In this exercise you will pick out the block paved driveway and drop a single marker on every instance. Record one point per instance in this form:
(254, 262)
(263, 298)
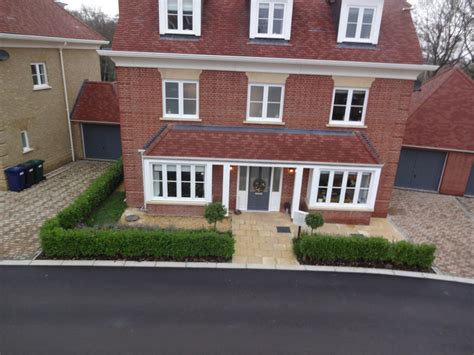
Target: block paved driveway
(446, 221)
(22, 214)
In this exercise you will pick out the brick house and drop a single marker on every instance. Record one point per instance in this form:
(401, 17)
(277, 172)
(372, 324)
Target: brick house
(264, 105)
(45, 55)
(438, 148)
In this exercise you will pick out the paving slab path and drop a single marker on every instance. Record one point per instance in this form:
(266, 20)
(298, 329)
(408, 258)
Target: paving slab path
(446, 221)
(23, 213)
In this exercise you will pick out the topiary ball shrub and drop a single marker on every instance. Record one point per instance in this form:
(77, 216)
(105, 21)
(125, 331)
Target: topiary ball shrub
(215, 212)
(314, 221)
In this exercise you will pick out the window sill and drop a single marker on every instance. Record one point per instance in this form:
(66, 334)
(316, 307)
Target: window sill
(41, 87)
(177, 202)
(27, 150)
(180, 119)
(341, 208)
(279, 123)
(346, 125)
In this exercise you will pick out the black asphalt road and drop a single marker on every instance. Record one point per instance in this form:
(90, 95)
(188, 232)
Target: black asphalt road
(188, 311)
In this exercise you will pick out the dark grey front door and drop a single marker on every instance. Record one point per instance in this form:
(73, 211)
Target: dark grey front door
(470, 184)
(102, 141)
(420, 169)
(259, 188)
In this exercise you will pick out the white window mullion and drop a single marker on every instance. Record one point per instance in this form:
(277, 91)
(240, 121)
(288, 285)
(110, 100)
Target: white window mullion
(270, 18)
(330, 184)
(357, 187)
(181, 98)
(165, 180)
(348, 105)
(193, 181)
(180, 15)
(265, 101)
(315, 191)
(343, 187)
(178, 181)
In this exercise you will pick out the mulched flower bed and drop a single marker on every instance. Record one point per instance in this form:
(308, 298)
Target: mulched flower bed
(365, 265)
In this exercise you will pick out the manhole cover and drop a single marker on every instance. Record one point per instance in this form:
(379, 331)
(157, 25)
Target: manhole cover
(283, 230)
(132, 218)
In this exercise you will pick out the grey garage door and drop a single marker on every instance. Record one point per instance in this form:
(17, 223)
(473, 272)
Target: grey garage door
(102, 141)
(470, 184)
(420, 169)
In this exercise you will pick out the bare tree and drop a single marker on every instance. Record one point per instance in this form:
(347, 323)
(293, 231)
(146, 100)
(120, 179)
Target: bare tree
(105, 25)
(445, 28)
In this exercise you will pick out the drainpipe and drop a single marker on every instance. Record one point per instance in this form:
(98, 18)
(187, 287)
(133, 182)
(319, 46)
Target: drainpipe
(67, 101)
(142, 152)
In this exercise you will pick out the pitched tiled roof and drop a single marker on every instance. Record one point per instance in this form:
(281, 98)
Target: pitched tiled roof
(442, 113)
(268, 144)
(97, 102)
(42, 18)
(225, 31)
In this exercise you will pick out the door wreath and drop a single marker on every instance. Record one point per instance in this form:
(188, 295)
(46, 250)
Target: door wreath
(259, 185)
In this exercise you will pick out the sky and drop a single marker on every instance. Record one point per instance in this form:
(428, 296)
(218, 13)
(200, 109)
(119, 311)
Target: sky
(110, 7)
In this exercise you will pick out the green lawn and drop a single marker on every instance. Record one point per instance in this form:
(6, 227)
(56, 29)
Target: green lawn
(109, 212)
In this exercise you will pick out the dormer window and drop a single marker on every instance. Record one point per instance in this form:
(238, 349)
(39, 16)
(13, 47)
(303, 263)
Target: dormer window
(360, 21)
(180, 17)
(271, 19)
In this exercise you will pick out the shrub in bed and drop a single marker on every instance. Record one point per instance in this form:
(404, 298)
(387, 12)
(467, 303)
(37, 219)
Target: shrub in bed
(135, 243)
(326, 249)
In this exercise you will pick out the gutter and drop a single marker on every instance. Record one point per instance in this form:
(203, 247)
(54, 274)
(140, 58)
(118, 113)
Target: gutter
(62, 40)
(68, 113)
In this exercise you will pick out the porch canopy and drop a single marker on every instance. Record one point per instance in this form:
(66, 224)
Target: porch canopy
(261, 144)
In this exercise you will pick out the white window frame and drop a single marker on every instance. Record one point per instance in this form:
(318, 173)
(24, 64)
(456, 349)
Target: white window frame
(44, 85)
(287, 19)
(163, 12)
(26, 148)
(346, 121)
(148, 182)
(376, 5)
(181, 114)
(314, 186)
(264, 118)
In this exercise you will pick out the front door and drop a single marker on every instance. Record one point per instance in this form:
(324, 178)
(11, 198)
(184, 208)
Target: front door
(259, 188)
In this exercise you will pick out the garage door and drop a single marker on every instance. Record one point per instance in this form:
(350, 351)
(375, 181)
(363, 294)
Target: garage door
(420, 169)
(102, 141)
(470, 184)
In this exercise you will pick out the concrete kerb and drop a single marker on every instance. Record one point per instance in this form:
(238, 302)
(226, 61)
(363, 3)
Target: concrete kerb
(197, 265)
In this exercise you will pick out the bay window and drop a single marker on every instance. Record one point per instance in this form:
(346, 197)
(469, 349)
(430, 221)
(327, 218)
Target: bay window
(342, 188)
(265, 103)
(178, 182)
(180, 99)
(349, 106)
(180, 17)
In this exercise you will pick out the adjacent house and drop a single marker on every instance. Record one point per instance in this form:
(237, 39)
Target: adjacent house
(438, 148)
(264, 105)
(45, 55)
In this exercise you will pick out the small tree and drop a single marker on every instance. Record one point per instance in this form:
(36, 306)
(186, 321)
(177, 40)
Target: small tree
(314, 221)
(215, 212)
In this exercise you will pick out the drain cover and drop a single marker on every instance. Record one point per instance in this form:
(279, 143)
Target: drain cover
(283, 229)
(132, 218)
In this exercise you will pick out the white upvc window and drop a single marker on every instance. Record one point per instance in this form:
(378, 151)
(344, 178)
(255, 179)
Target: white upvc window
(180, 99)
(271, 19)
(265, 103)
(349, 106)
(180, 17)
(344, 188)
(360, 21)
(178, 182)
(40, 77)
(25, 142)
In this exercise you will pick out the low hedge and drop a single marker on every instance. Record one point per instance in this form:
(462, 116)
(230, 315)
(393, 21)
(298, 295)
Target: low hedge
(92, 198)
(327, 249)
(135, 243)
(61, 239)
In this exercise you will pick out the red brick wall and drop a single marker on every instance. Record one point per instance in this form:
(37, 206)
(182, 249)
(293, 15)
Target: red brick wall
(456, 173)
(223, 98)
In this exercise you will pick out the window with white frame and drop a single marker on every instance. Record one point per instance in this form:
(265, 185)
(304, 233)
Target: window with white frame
(265, 102)
(360, 22)
(40, 78)
(25, 143)
(343, 188)
(180, 17)
(179, 181)
(180, 99)
(349, 106)
(271, 19)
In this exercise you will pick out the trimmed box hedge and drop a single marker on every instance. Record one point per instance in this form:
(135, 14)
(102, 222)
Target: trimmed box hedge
(61, 239)
(327, 249)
